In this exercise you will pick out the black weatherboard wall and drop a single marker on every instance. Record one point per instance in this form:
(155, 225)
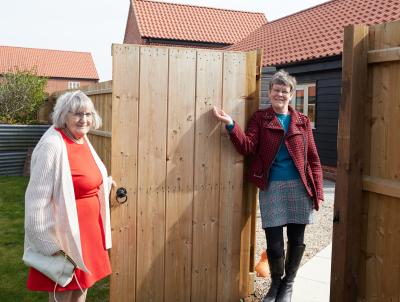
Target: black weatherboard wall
(327, 75)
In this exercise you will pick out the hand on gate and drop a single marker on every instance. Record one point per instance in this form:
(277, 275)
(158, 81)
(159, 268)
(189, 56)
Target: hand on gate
(222, 116)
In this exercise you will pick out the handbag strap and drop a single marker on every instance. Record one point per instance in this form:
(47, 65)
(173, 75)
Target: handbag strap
(66, 258)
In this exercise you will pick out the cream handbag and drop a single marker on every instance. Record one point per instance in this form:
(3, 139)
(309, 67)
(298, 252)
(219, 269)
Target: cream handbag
(59, 268)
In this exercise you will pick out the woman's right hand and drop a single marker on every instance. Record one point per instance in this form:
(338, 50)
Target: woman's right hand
(222, 116)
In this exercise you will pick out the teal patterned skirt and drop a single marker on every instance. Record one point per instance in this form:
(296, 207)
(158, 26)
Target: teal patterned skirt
(285, 202)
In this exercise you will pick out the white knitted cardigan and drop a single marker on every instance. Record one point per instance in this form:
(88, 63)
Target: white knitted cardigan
(51, 219)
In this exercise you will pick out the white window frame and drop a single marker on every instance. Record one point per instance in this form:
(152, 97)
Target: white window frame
(74, 85)
(303, 87)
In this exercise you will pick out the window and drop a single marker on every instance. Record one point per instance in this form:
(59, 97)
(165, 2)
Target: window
(304, 100)
(73, 85)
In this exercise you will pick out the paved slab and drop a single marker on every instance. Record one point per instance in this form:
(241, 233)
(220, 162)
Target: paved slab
(313, 278)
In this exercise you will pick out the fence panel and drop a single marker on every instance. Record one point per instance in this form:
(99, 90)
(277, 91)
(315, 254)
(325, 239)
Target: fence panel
(382, 165)
(185, 180)
(366, 244)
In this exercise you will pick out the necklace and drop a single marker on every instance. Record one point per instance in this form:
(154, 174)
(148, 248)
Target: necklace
(71, 136)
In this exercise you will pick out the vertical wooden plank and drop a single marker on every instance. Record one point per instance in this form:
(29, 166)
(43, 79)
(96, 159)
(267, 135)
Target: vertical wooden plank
(107, 127)
(390, 265)
(231, 178)
(206, 179)
(246, 284)
(376, 239)
(124, 171)
(179, 194)
(391, 276)
(368, 206)
(369, 284)
(345, 280)
(393, 122)
(254, 205)
(152, 173)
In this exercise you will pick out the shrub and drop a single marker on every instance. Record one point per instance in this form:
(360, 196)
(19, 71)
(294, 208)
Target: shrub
(21, 95)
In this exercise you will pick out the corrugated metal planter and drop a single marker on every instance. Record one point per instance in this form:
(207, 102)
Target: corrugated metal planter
(15, 140)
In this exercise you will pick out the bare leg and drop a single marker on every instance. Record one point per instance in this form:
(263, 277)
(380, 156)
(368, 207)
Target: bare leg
(78, 296)
(69, 296)
(60, 296)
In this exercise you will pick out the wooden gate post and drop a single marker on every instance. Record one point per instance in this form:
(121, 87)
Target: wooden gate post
(348, 194)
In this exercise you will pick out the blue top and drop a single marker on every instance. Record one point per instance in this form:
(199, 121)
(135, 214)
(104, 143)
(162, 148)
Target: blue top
(283, 167)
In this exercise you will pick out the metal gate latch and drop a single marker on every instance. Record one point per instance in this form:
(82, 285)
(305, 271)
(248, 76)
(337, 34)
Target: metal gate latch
(122, 195)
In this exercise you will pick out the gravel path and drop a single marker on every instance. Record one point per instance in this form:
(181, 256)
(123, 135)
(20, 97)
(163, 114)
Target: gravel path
(317, 236)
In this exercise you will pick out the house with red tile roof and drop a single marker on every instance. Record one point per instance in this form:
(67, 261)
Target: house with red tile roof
(64, 69)
(309, 45)
(169, 24)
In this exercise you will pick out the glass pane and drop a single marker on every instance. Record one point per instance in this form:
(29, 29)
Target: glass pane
(311, 103)
(299, 102)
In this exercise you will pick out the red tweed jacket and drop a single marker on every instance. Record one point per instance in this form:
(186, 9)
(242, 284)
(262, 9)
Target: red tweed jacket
(261, 142)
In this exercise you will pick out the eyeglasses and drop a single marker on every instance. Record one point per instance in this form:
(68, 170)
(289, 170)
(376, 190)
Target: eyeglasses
(81, 115)
(277, 91)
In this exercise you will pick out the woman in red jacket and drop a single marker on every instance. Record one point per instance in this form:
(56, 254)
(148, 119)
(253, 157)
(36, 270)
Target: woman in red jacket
(286, 168)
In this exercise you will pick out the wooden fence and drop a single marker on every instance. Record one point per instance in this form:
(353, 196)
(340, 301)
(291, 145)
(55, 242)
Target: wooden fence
(366, 237)
(185, 233)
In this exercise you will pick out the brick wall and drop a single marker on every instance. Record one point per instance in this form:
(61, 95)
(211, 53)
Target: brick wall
(132, 34)
(62, 84)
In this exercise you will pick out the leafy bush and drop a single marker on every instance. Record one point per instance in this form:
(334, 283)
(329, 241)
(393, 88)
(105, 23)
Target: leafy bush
(21, 95)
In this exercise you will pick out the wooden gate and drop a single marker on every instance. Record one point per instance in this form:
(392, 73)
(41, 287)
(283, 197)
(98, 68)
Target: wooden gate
(185, 233)
(366, 237)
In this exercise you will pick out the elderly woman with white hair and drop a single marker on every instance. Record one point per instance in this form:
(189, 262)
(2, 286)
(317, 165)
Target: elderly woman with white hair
(66, 201)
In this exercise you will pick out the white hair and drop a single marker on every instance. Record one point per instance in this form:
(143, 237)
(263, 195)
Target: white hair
(74, 101)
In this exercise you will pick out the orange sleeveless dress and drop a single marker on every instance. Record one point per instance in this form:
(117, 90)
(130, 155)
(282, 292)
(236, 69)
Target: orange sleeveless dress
(86, 178)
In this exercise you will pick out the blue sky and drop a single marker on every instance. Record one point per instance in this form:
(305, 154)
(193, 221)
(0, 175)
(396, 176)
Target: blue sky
(93, 25)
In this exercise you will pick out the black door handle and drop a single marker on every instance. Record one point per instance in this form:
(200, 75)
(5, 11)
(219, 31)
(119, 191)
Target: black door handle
(122, 195)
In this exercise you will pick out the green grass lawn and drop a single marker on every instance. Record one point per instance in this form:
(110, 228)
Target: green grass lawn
(13, 272)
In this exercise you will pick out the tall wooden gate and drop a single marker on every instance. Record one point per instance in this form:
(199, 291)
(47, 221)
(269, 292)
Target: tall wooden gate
(366, 237)
(185, 232)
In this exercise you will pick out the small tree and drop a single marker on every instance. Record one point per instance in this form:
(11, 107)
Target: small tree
(21, 95)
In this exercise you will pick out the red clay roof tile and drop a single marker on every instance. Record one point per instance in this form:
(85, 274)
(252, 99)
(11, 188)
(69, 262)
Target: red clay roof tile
(194, 23)
(316, 32)
(48, 63)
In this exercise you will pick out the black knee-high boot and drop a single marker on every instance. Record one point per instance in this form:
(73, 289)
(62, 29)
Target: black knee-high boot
(292, 264)
(276, 268)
